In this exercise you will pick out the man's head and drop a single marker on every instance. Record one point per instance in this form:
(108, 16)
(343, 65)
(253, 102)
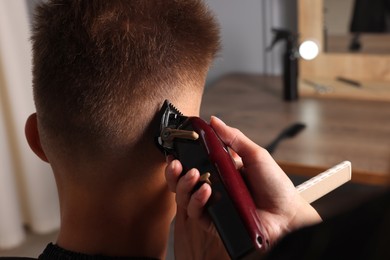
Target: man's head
(102, 68)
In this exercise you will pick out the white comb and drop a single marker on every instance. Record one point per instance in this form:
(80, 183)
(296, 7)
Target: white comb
(325, 182)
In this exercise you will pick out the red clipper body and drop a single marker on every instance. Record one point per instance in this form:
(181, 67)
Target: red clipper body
(231, 207)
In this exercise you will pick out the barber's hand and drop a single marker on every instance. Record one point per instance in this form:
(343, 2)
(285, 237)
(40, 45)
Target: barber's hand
(195, 237)
(279, 206)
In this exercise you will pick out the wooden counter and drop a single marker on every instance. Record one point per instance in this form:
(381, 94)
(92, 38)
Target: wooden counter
(332, 88)
(336, 129)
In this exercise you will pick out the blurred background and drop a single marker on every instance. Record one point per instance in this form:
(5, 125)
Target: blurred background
(29, 212)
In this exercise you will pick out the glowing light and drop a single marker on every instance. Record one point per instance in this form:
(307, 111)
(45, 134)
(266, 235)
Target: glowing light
(308, 50)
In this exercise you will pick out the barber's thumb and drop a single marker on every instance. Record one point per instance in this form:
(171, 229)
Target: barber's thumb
(219, 127)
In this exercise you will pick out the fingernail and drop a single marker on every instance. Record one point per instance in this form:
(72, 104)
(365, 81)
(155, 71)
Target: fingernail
(173, 165)
(199, 193)
(190, 174)
(218, 119)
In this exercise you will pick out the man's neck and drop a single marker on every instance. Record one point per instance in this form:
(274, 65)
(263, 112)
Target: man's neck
(123, 220)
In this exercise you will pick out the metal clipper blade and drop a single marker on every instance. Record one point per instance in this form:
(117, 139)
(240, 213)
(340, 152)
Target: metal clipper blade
(172, 118)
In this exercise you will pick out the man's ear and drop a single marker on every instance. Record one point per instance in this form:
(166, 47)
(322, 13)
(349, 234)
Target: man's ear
(32, 136)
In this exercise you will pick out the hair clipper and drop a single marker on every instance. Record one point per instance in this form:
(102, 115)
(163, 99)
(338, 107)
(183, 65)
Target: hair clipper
(195, 144)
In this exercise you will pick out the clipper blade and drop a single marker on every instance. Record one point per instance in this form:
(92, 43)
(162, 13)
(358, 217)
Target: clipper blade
(172, 108)
(171, 118)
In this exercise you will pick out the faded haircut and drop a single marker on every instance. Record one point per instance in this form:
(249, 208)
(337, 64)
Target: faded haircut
(99, 65)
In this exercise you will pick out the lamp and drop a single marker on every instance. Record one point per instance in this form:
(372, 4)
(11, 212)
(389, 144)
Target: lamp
(308, 50)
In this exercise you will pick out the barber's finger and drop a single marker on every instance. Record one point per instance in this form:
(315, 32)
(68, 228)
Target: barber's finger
(197, 208)
(237, 160)
(198, 201)
(172, 174)
(235, 139)
(185, 186)
(234, 154)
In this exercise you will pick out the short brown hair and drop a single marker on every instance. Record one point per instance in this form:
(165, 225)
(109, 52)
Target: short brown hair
(98, 64)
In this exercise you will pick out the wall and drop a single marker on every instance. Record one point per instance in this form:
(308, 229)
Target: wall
(246, 32)
(36, 189)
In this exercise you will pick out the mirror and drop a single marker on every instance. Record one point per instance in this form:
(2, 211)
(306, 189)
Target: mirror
(356, 66)
(357, 26)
